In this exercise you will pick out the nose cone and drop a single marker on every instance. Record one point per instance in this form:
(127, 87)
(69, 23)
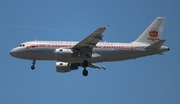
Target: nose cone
(13, 52)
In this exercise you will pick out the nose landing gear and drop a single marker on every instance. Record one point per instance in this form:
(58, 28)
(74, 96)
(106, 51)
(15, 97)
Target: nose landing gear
(33, 64)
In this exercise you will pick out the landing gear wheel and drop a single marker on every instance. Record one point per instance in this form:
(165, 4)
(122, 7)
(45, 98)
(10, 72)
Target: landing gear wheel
(85, 72)
(32, 67)
(33, 63)
(85, 63)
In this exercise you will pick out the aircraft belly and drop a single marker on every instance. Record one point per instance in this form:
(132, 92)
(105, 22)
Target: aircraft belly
(118, 55)
(110, 54)
(98, 55)
(40, 54)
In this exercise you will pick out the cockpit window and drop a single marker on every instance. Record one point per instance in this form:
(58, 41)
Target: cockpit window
(21, 45)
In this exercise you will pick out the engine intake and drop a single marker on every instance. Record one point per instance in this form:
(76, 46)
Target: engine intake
(65, 67)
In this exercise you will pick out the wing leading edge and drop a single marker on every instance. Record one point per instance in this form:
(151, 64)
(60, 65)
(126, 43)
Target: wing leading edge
(91, 41)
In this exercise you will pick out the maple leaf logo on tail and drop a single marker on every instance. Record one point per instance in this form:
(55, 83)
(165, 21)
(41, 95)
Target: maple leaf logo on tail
(153, 35)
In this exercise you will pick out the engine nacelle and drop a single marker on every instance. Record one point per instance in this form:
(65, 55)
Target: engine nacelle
(62, 52)
(65, 67)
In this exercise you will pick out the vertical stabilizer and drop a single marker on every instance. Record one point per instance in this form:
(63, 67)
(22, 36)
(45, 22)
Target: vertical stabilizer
(153, 32)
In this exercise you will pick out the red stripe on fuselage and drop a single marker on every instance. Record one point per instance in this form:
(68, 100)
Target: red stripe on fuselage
(70, 45)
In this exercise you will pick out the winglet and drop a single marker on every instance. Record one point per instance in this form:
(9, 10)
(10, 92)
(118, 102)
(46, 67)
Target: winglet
(104, 67)
(156, 45)
(107, 26)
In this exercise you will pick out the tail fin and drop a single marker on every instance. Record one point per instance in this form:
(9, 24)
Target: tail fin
(153, 32)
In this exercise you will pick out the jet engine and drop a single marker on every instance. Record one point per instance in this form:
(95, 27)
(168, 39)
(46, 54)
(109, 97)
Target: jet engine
(65, 67)
(63, 52)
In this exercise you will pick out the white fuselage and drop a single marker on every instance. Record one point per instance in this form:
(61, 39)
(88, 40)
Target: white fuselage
(103, 52)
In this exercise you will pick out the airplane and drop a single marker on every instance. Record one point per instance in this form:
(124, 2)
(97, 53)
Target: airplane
(70, 55)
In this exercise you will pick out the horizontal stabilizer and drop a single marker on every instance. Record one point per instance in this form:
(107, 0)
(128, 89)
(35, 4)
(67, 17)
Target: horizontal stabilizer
(156, 45)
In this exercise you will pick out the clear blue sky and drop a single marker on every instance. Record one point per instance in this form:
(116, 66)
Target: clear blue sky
(149, 80)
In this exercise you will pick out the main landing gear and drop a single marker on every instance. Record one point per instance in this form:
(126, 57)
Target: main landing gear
(85, 64)
(33, 63)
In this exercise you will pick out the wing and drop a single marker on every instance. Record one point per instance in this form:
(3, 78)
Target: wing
(91, 41)
(97, 66)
